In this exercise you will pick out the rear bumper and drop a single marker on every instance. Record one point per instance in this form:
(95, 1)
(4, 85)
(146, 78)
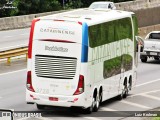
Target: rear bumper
(149, 54)
(63, 101)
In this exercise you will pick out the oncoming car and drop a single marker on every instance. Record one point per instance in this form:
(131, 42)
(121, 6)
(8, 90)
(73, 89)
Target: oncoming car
(104, 5)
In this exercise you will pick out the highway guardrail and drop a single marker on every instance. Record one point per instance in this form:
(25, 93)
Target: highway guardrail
(13, 53)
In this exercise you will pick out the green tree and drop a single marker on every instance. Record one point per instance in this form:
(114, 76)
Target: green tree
(73, 4)
(36, 6)
(49, 5)
(3, 11)
(2, 2)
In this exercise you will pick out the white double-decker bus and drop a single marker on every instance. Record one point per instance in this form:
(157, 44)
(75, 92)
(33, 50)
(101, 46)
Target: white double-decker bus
(81, 58)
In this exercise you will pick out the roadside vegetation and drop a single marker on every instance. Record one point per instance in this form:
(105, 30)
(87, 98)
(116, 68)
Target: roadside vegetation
(23, 7)
(156, 118)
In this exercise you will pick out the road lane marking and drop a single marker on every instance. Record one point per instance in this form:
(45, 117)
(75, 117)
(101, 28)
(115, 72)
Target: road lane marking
(106, 109)
(135, 104)
(25, 34)
(150, 96)
(153, 91)
(92, 118)
(13, 47)
(152, 81)
(7, 36)
(13, 72)
(113, 111)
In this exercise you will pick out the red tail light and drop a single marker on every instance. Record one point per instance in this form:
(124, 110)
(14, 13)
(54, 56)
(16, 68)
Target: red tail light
(80, 87)
(31, 38)
(29, 82)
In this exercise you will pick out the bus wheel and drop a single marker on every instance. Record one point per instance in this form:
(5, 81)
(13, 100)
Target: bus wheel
(125, 91)
(90, 109)
(120, 97)
(40, 107)
(144, 59)
(156, 58)
(130, 84)
(100, 97)
(96, 105)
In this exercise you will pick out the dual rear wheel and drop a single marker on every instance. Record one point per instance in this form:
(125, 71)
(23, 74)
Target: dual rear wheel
(96, 100)
(125, 91)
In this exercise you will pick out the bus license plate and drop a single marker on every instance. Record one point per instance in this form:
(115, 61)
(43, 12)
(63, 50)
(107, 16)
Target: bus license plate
(53, 99)
(153, 53)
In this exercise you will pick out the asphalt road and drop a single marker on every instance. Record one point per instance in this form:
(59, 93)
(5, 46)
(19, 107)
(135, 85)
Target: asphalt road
(145, 96)
(14, 38)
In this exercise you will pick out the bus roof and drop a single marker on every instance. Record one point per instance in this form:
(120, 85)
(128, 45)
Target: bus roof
(90, 16)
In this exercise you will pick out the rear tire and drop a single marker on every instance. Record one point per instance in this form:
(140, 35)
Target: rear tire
(130, 85)
(40, 107)
(120, 97)
(144, 59)
(124, 93)
(96, 104)
(100, 97)
(89, 110)
(156, 58)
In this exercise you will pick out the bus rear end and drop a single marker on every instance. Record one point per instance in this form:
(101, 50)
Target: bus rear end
(55, 54)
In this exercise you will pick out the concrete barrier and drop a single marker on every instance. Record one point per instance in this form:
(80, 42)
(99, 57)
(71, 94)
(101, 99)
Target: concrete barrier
(148, 17)
(21, 21)
(143, 31)
(138, 4)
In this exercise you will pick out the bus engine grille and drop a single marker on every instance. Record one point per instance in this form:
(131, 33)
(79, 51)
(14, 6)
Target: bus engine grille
(57, 67)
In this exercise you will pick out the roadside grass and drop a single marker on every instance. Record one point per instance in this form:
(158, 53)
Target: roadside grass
(156, 118)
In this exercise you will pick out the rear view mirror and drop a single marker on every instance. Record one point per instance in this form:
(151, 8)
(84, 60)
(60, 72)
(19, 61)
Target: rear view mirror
(140, 43)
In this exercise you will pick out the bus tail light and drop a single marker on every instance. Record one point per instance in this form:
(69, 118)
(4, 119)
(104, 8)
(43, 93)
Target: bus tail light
(80, 87)
(29, 82)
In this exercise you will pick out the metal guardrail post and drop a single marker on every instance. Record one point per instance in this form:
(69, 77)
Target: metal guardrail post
(8, 61)
(13, 53)
(26, 56)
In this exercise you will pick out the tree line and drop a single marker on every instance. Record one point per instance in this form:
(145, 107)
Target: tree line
(23, 7)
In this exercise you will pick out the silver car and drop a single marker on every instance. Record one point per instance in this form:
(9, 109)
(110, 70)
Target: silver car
(103, 5)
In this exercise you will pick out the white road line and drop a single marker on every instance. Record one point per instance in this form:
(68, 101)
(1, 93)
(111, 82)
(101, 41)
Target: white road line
(7, 36)
(152, 81)
(13, 47)
(153, 91)
(13, 72)
(150, 96)
(92, 118)
(25, 34)
(106, 109)
(113, 110)
(135, 104)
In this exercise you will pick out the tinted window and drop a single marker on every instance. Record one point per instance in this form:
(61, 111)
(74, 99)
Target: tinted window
(154, 36)
(108, 32)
